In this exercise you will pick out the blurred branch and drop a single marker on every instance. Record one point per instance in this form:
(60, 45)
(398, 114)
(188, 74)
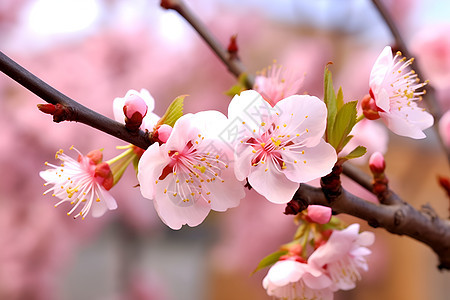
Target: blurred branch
(78, 112)
(399, 218)
(430, 97)
(232, 62)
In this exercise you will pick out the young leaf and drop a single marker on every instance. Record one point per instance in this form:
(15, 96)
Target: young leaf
(329, 97)
(355, 153)
(339, 99)
(270, 260)
(173, 112)
(345, 120)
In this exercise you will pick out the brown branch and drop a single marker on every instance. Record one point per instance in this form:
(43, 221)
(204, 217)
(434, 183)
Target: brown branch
(400, 218)
(430, 97)
(233, 64)
(77, 112)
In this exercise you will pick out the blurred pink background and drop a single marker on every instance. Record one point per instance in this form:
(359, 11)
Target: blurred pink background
(94, 51)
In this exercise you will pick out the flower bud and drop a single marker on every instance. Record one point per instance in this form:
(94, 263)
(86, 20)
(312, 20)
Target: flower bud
(369, 107)
(135, 110)
(377, 164)
(319, 214)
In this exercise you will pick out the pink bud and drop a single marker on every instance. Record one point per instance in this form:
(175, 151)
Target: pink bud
(377, 163)
(369, 107)
(164, 132)
(134, 104)
(319, 214)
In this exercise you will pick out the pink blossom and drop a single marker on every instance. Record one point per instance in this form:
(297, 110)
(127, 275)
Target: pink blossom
(134, 101)
(276, 83)
(444, 128)
(319, 214)
(393, 87)
(191, 173)
(278, 147)
(290, 279)
(343, 256)
(84, 181)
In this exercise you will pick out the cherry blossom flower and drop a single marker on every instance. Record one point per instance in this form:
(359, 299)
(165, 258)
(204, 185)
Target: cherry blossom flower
(278, 147)
(86, 180)
(131, 97)
(276, 83)
(290, 279)
(343, 255)
(393, 87)
(191, 173)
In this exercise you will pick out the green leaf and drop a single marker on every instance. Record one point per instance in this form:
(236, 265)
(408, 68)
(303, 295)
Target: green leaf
(240, 86)
(355, 153)
(340, 99)
(270, 260)
(329, 97)
(173, 112)
(345, 120)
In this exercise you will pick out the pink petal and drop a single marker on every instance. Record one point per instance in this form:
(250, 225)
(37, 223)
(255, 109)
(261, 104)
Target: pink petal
(316, 162)
(150, 168)
(303, 114)
(176, 216)
(183, 131)
(271, 183)
(401, 126)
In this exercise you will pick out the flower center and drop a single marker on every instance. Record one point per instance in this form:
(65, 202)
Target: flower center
(192, 172)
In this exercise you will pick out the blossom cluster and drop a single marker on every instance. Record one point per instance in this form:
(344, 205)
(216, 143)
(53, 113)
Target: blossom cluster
(272, 140)
(334, 264)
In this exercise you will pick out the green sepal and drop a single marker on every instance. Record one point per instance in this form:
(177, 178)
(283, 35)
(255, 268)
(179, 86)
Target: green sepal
(329, 97)
(345, 120)
(334, 224)
(300, 231)
(173, 112)
(136, 163)
(240, 86)
(270, 260)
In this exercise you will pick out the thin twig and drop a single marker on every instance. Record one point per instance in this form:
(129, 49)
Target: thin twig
(430, 97)
(233, 64)
(81, 113)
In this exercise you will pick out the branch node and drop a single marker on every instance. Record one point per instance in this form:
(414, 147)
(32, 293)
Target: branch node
(59, 112)
(429, 211)
(331, 183)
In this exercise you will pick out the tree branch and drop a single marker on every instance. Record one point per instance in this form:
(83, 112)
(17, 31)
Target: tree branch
(430, 97)
(78, 112)
(400, 218)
